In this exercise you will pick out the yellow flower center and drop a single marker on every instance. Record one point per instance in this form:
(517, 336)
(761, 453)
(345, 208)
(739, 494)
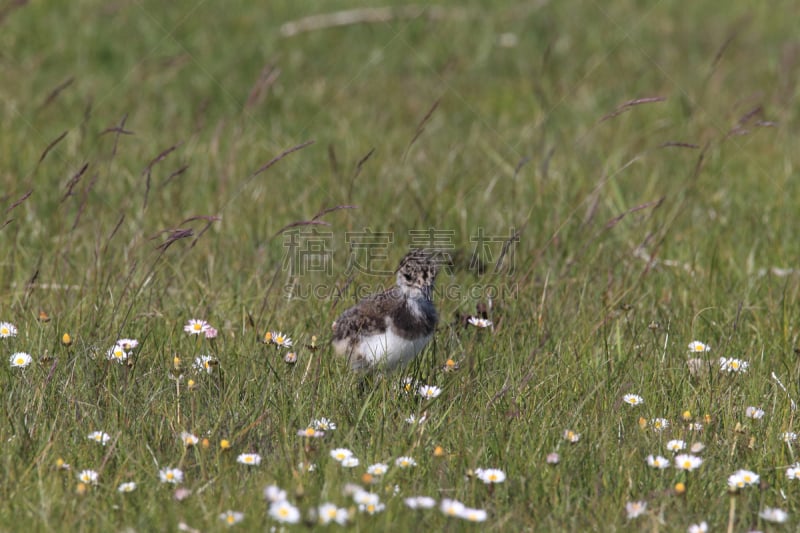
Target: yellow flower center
(283, 512)
(230, 519)
(170, 476)
(4, 331)
(197, 327)
(20, 360)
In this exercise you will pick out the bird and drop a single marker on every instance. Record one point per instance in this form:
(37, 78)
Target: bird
(387, 330)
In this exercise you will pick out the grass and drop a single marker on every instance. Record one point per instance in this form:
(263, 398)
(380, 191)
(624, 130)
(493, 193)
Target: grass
(645, 153)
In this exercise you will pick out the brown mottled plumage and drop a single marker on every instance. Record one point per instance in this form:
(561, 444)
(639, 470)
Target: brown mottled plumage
(389, 329)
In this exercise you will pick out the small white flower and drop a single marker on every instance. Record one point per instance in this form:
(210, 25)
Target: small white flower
(171, 475)
(281, 340)
(188, 439)
(429, 391)
(252, 459)
(284, 512)
(742, 478)
(205, 363)
(117, 353)
(100, 437)
(273, 493)
(732, 365)
(697, 346)
(684, 461)
(491, 475)
(196, 327)
(363, 497)
(553, 458)
(88, 476)
(340, 454)
(633, 399)
(7, 329)
(324, 424)
(479, 322)
(676, 445)
(310, 433)
(328, 512)
(788, 436)
(659, 424)
(378, 469)
(20, 360)
(231, 517)
(405, 462)
(658, 462)
(452, 507)
(754, 412)
(793, 472)
(702, 527)
(412, 419)
(473, 515)
(128, 486)
(635, 509)
(571, 436)
(127, 344)
(774, 515)
(420, 502)
(350, 462)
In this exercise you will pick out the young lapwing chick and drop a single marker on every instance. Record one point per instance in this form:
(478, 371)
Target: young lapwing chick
(388, 329)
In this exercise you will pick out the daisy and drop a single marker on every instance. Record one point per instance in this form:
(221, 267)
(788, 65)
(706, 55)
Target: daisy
(491, 475)
(329, 512)
(323, 424)
(378, 469)
(231, 517)
(128, 486)
(571, 436)
(420, 502)
(281, 340)
(211, 333)
(127, 344)
(171, 475)
(429, 391)
(697, 346)
(473, 515)
(687, 462)
(405, 462)
(20, 360)
(372, 508)
(553, 458)
(196, 327)
(741, 479)
(479, 322)
(732, 365)
(188, 439)
(695, 426)
(658, 462)
(273, 493)
(702, 527)
(340, 454)
(205, 363)
(788, 436)
(697, 447)
(408, 384)
(754, 412)
(7, 329)
(659, 424)
(117, 353)
(452, 507)
(88, 476)
(284, 512)
(310, 432)
(793, 472)
(290, 358)
(774, 515)
(252, 459)
(99, 436)
(350, 462)
(635, 509)
(633, 399)
(676, 445)
(363, 497)
(412, 419)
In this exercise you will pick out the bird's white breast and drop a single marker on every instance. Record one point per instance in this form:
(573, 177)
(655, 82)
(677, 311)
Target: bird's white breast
(388, 350)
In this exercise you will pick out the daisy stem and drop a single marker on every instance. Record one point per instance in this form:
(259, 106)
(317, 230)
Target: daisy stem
(178, 398)
(731, 513)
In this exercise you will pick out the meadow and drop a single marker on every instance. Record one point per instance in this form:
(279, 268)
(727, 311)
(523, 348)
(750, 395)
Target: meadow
(612, 183)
